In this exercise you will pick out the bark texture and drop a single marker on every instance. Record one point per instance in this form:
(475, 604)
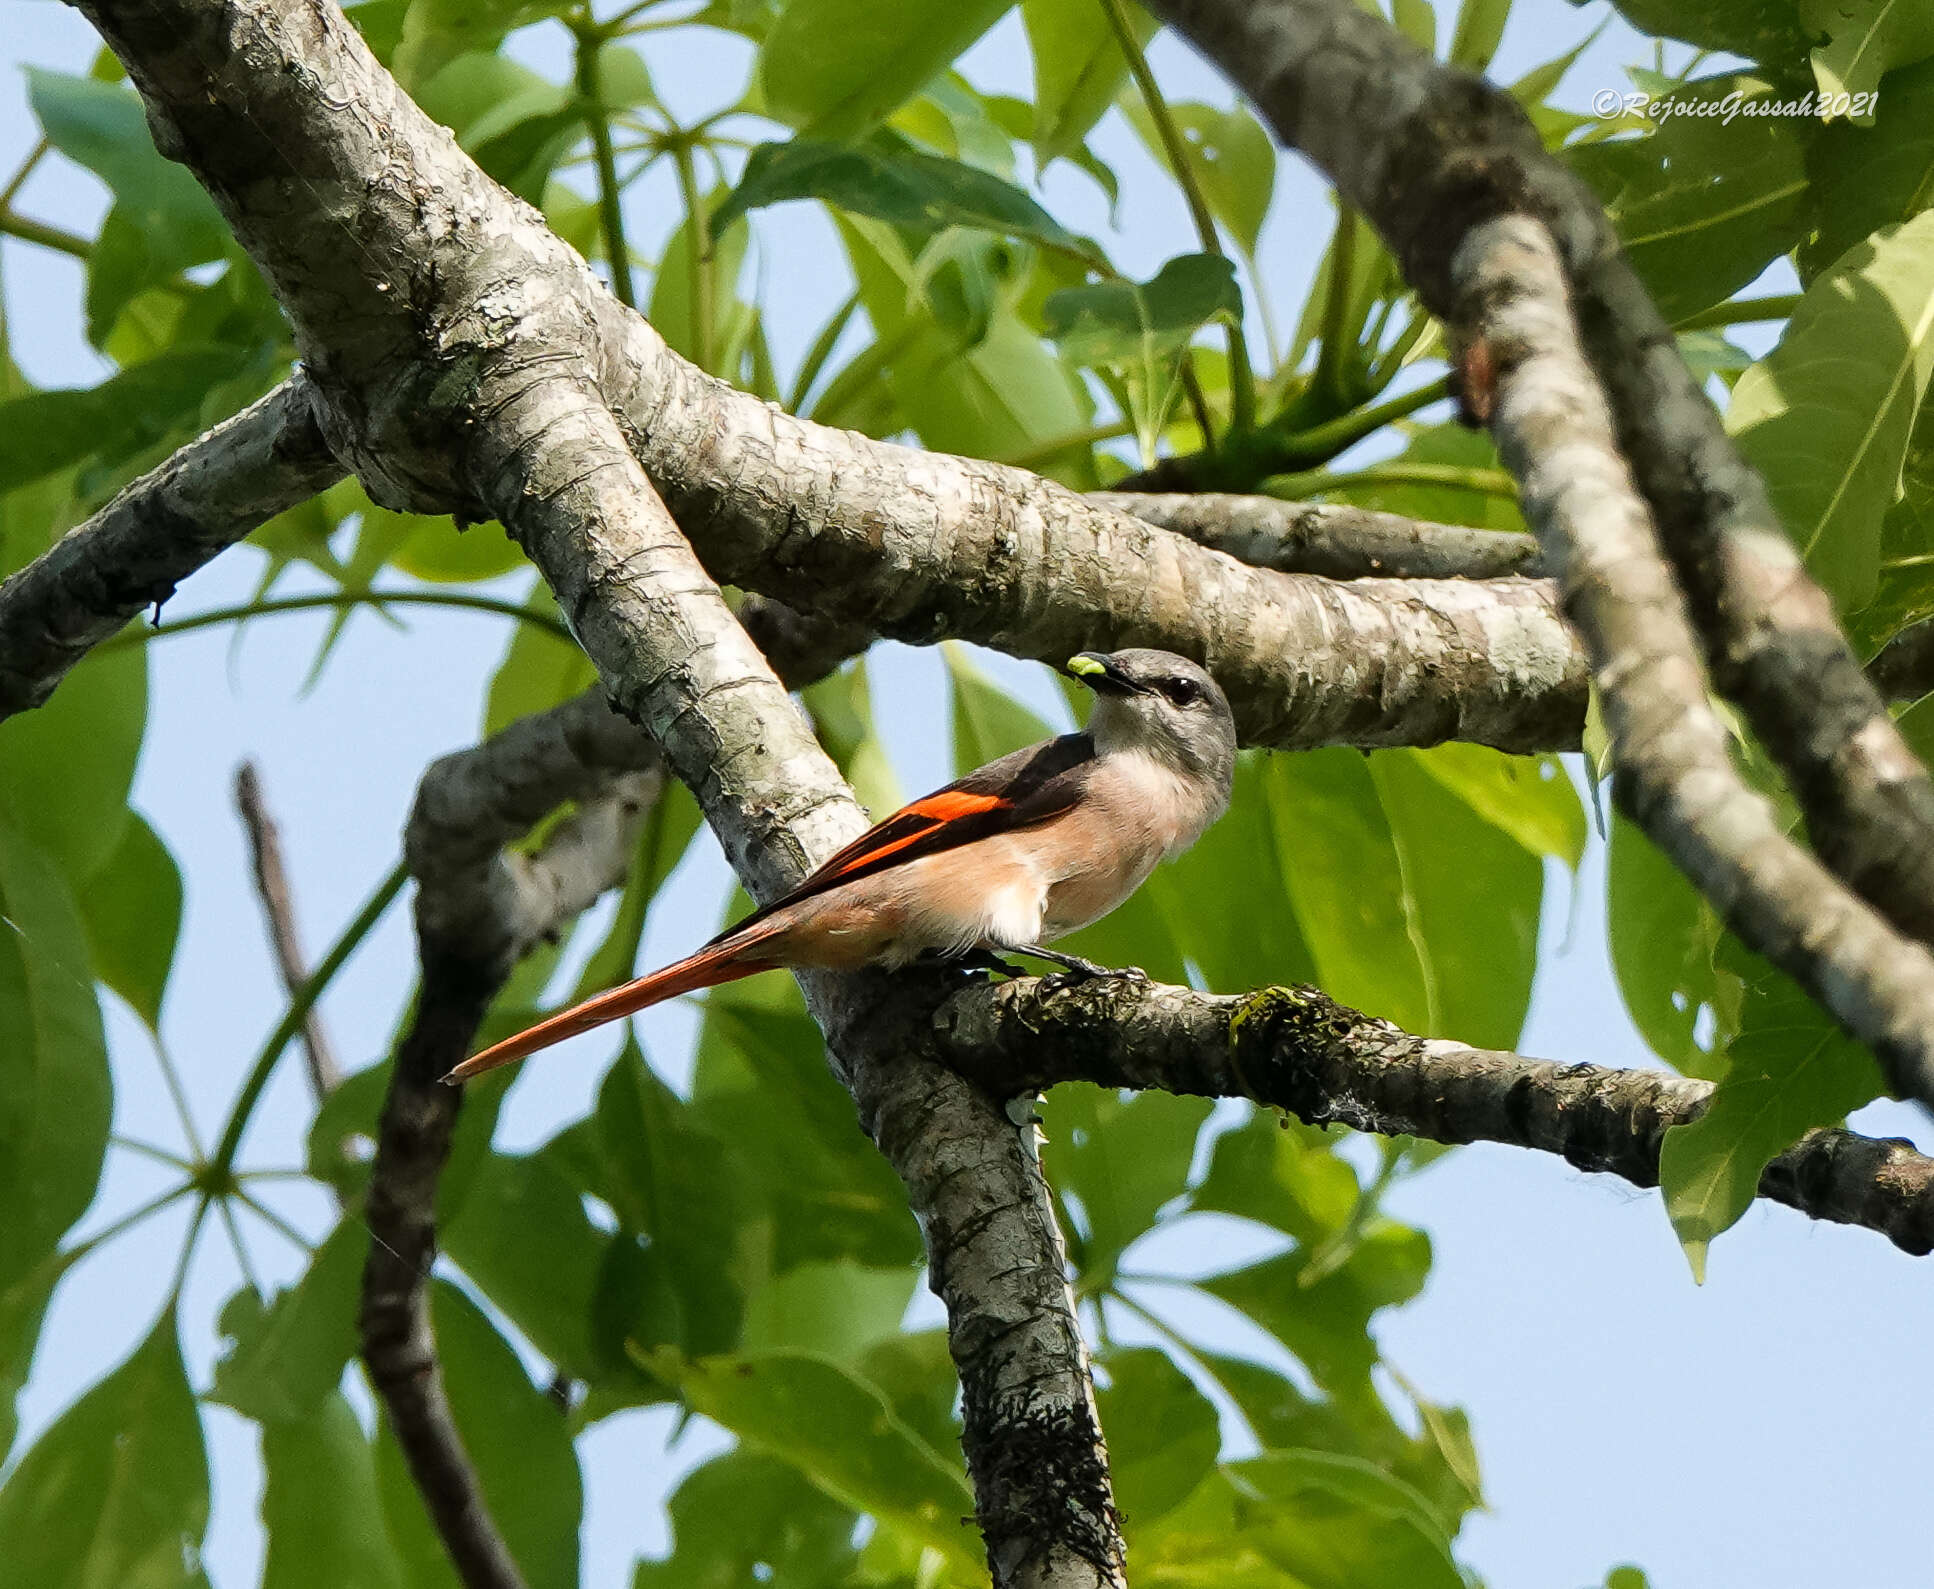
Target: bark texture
(1429, 153)
(1298, 1049)
(1672, 760)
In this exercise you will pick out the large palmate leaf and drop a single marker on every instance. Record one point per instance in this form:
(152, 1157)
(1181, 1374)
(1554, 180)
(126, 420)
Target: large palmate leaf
(1772, 32)
(1231, 159)
(1829, 431)
(55, 1095)
(838, 67)
(287, 1357)
(517, 1441)
(1865, 178)
(1865, 39)
(1663, 933)
(162, 221)
(115, 1494)
(1703, 204)
(1163, 1434)
(841, 1434)
(746, 1518)
(320, 1506)
(1078, 67)
(132, 907)
(1789, 1069)
(888, 180)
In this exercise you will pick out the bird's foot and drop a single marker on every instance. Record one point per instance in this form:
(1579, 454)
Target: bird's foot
(973, 960)
(1077, 970)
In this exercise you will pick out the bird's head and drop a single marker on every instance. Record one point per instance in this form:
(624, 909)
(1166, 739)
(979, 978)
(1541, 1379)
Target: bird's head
(1163, 704)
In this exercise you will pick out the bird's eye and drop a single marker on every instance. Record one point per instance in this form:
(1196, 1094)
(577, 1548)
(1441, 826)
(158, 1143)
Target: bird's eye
(1183, 692)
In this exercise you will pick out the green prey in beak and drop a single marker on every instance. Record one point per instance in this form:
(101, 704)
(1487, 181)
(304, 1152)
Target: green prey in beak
(1102, 674)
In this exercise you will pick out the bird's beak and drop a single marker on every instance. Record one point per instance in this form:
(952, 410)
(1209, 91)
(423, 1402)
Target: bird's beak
(1101, 674)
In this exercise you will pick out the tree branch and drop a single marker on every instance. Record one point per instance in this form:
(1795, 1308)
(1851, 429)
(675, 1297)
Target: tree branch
(154, 534)
(1429, 152)
(1672, 762)
(285, 938)
(1331, 539)
(1298, 1049)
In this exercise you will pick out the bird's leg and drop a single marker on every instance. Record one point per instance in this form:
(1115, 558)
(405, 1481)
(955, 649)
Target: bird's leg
(979, 958)
(1077, 970)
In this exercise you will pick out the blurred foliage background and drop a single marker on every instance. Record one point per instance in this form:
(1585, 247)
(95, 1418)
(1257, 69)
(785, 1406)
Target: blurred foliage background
(716, 1236)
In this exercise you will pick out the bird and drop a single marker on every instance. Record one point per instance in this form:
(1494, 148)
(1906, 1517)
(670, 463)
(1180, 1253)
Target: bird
(1022, 851)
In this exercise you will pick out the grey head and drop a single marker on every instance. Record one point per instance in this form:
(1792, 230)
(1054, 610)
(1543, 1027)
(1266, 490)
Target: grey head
(1163, 704)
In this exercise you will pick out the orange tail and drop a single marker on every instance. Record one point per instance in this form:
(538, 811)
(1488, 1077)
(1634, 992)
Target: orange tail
(716, 963)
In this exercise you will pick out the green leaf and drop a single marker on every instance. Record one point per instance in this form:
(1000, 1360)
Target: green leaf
(132, 909)
(1128, 324)
(1480, 27)
(672, 1182)
(988, 722)
(1528, 797)
(133, 412)
(115, 1494)
(837, 1310)
(517, 1440)
(1415, 907)
(524, 1239)
(436, 32)
(1704, 203)
(55, 1092)
(287, 1357)
(1338, 1522)
(762, 1087)
(1230, 155)
(1121, 1162)
(1760, 30)
(840, 1432)
(891, 182)
(162, 221)
(744, 1519)
(320, 1507)
(23, 1308)
(1864, 178)
(1163, 1434)
(1078, 68)
(539, 670)
(1789, 1069)
(1663, 934)
(1829, 433)
(979, 385)
(436, 549)
(836, 68)
(66, 767)
(667, 833)
(672, 310)
(1866, 39)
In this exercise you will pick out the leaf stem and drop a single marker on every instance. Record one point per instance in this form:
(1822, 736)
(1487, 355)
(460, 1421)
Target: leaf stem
(132, 636)
(1486, 482)
(821, 351)
(1336, 308)
(1324, 441)
(590, 40)
(700, 266)
(1743, 312)
(19, 179)
(221, 1167)
(1114, 430)
(1242, 381)
(63, 242)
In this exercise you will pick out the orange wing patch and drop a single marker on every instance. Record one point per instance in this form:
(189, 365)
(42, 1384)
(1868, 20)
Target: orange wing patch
(908, 826)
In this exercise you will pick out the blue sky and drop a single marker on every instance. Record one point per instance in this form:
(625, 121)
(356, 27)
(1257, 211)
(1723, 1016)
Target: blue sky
(1766, 1429)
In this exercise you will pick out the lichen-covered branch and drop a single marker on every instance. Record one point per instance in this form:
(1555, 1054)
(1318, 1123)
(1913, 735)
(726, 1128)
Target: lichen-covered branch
(1672, 764)
(1332, 539)
(1430, 152)
(1298, 1049)
(134, 552)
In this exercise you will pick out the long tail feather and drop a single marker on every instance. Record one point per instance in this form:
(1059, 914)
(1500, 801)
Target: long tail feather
(712, 965)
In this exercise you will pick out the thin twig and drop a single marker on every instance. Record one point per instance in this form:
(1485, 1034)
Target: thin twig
(278, 906)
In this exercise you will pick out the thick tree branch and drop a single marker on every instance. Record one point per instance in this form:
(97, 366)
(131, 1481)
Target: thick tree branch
(1672, 762)
(285, 938)
(1298, 1049)
(158, 531)
(1430, 152)
(1330, 539)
